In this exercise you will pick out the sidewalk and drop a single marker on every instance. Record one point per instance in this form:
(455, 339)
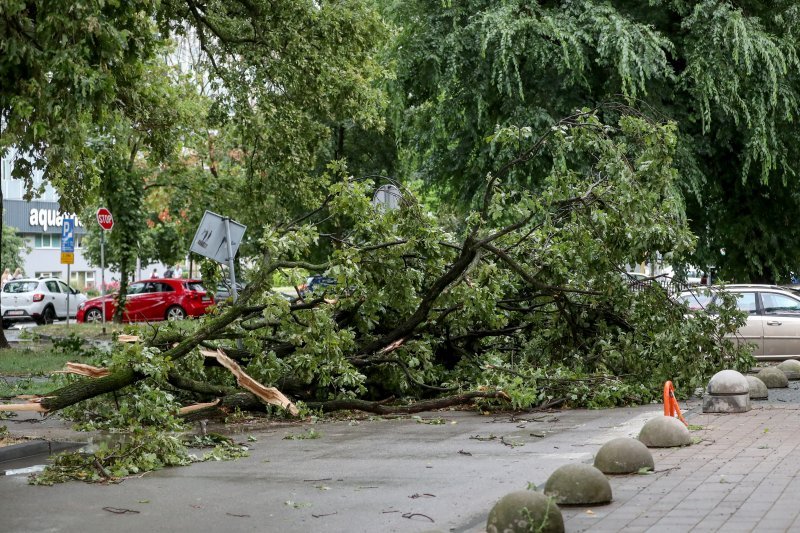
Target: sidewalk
(443, 472)
(743, 476)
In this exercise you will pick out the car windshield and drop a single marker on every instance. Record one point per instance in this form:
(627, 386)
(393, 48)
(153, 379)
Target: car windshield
(195, 286)
(21, 286)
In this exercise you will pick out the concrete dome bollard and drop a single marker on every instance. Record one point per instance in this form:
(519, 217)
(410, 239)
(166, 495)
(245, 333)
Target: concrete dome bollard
(727, 392)
(623, 456)
(578, 484)
(525, 510)
(791, 368)
(773, 378)
(758, 391)
(664, 432)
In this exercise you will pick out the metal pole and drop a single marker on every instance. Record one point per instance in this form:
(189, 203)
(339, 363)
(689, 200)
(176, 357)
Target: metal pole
(68, 292)
(231, 269)
(103, 275)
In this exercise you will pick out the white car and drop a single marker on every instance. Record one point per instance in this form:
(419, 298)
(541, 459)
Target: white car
(773, 317)
(40, 300)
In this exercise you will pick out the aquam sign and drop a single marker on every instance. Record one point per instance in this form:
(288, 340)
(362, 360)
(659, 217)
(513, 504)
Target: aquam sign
(50, 218)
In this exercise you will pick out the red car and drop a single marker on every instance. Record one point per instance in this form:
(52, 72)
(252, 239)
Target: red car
(152, 299)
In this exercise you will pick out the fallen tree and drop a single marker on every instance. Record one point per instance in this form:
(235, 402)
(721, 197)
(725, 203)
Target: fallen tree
(525, 301)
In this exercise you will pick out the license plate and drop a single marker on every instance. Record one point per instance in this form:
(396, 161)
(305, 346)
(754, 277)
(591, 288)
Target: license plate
(206, 299)
(14, 313)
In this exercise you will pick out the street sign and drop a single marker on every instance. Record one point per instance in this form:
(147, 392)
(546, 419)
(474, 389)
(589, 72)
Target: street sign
(387, 197)
(211, 238)
(68, 235)
(68, 241)
(105, 219)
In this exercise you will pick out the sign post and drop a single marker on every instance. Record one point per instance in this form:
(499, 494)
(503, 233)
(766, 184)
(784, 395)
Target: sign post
(68, 250)
(106, 222)
(218, 239)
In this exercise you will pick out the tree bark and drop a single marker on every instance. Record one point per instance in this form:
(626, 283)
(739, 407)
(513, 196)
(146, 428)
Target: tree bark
(381, 408)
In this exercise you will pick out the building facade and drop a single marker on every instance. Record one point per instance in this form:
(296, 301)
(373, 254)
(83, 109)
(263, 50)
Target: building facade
(39, 223)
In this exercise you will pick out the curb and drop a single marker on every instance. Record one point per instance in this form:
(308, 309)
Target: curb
(34, 448)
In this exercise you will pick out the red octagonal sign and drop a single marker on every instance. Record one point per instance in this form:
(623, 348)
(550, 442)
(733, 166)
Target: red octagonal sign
(105, 219)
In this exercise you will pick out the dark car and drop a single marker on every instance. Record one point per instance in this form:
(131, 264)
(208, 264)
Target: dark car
(224, 290)
(151, 300)
(316, 282)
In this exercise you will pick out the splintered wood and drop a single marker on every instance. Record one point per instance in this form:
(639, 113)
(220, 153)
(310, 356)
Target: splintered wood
(84, 370)
(270, 395)
(32, 405)
(197, 407)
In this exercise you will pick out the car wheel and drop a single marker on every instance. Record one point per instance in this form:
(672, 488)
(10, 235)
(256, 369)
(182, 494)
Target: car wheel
(48, 315)
(7, 324)
(176, 313)
(93, 315)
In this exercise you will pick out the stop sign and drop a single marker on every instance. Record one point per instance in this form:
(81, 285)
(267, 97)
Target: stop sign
(105, 219)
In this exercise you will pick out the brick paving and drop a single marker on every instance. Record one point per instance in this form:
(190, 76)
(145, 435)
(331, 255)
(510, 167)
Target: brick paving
(741, 475)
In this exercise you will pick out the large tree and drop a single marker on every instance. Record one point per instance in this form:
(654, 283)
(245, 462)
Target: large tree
(727, 74)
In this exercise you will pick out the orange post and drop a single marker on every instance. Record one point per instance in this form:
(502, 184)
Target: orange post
(671, 407)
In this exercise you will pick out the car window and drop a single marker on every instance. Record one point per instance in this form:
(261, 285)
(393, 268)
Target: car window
(164, 287)
(52, 286)
(696, 300)
(21, 286)
(136, 288)
(64, 287)
(196, 286)
(746, 301)
(779, 303)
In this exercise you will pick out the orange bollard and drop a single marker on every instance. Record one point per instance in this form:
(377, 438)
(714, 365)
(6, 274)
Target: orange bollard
(671, 407)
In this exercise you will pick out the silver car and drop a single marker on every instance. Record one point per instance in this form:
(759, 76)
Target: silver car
(773, 317)
(40, 300)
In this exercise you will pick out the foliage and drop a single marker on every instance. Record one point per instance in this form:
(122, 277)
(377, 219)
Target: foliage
(68, 66)
(527, 297)
(724, 73)
(13, 248)
(142, 451)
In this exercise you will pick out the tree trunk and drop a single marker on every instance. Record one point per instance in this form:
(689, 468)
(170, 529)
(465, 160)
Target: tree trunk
(3, 341)
(91, 387)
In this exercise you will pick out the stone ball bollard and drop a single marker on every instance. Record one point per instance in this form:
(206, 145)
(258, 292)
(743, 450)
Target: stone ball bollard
(727, 392)
(773, 378)
(791, 368)
(578, 484)
(664, 432)
(525, 510)
(624, 456)
(758, 391)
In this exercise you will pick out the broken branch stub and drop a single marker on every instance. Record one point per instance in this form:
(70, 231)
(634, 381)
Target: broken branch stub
(269, 395)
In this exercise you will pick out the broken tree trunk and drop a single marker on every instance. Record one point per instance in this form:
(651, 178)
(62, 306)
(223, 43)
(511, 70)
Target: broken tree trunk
(91, 387)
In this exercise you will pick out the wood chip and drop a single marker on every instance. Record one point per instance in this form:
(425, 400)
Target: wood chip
(197, 407)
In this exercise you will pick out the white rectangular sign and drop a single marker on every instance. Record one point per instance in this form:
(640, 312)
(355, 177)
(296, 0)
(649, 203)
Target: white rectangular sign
(211, 240)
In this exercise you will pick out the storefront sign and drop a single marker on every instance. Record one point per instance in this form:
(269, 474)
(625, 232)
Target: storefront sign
(49, 218)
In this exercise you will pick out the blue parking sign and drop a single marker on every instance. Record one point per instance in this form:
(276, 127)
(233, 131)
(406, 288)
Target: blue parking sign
(68, 235)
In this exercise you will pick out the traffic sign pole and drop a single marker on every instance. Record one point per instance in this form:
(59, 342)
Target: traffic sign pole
(103, 276)
(68, 251)
(106, 222)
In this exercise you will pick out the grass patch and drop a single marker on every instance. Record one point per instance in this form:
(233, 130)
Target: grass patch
(25, 369)
(32, 360)
(85, 331)
(24, 386)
